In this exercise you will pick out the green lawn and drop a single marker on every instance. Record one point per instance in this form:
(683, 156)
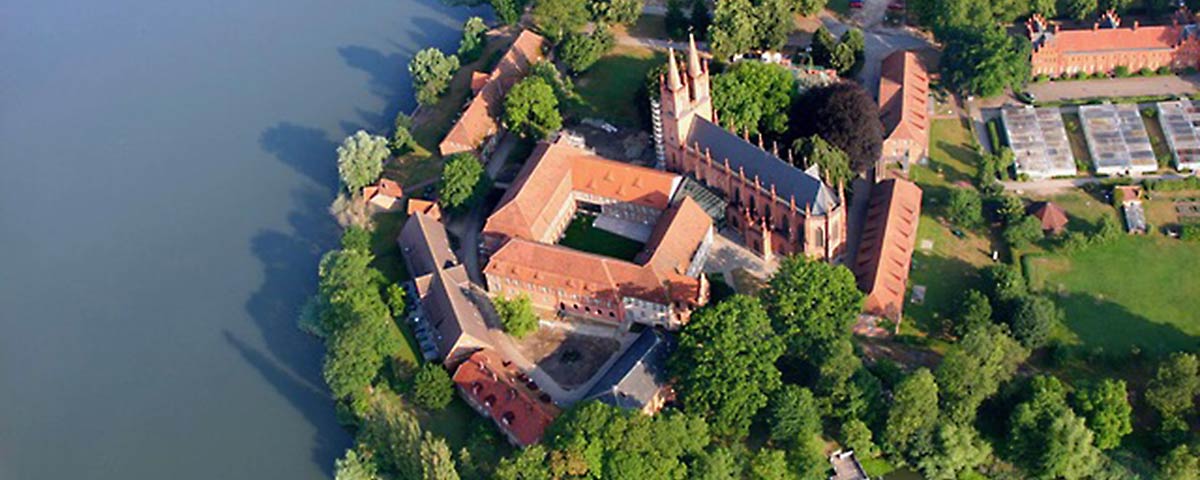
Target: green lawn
(581, 235)
(1137, 291)
(613, 88)
(388, 260)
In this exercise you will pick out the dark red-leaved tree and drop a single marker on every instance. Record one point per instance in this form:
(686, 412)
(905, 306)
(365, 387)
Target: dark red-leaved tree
(844, 115)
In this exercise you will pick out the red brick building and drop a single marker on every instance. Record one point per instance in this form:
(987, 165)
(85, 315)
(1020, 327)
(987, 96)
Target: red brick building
(904, 109)
(480, 120)
(660, 288)
(496, 389)
(886, 247)
(1108, 45)
(777, 208)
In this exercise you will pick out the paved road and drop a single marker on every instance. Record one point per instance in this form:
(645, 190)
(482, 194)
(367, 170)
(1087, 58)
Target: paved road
(1063, 184)
(880, 42)
(1116, 87)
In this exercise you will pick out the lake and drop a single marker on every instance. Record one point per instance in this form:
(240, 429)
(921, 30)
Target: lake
(164, 173)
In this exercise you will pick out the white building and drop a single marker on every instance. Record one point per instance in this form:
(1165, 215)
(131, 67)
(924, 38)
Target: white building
(1039, 142)
(1117, 139)
(1180, 122)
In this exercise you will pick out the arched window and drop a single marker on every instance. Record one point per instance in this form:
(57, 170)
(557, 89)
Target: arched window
(820, 237)
(783, 224)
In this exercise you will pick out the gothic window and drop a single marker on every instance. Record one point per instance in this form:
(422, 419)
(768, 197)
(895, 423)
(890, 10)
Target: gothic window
(820, 237)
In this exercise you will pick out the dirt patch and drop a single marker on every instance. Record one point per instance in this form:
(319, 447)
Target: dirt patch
(569, 358)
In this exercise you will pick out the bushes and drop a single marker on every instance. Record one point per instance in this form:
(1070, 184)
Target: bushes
(473, 39)
(1172, 185)
(580, 51)
(1164, 70)
(966, 208)
(1146, 72)
(1190, 232)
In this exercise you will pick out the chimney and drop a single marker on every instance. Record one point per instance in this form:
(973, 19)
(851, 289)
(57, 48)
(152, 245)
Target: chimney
(1135, 25)
(1095, 26)
(1056, 26)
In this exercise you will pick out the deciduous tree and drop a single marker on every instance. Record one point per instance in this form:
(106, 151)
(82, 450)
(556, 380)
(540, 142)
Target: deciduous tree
(431, 73)
(360, 160)
(580, 51)
(793, 416)
(557, 18)
(463, 180)
(531, 108)
(1046, 436)
(1180, 464)
(965, 208)
(811, 303)
(955, 450)
(773, 24)
(769, 464)
(508, 11)
(985, 61)
(974, 311)
(391, 436)
(733, 28)
(436, 461)
(1106, 407)
(1035, 319)
(528, 464)
(516, 315)
(754, 97)
(354, 467)
(833, 162)
(616, 12)
(432, 387)
(725, 363)
(913, 414)
(1172, 391)
(1024, 232)
(974, 368)
(846, 117)
(474, 37)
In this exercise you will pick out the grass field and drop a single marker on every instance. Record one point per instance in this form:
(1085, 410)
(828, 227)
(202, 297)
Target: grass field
(582, 236)
(612, 89)
(1137, 291)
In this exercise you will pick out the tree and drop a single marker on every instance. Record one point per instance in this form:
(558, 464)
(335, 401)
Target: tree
(1024, 232)
(580, 51)
(557, 18)
(857, 435)
(396, 300)
(733, 29)
(718, 464)
(1173, 390)
(913, 414)
(1047, 8)
(725, 363)
(436, 461)
(431, 72)
(402, 138)
(965, 208)
(985, 61)
(517, 315)
(811, 303)
(432, 387)
(834, 164)
(769, 464)
(955, 449)
(753, 97)
(1010, 208)
(700, 19)
(774, 23)
(355, 237)
(1121, 6)
(974, 368)
(1082, 9)
(793, 416)
(462, 180)
(1034, 320)
(354, 467)
(822, 46)
(390, 434)
(856, 43)
(616, 12)
(528, 464)
(1006, 282)
(531, 108)
(808, 7)
(1106, 407)
(474, 36)
(360, 160)
(846, 117)
(973, 311)
(508, 11)
(675, 21)
(1180, 464)
(1046, 436)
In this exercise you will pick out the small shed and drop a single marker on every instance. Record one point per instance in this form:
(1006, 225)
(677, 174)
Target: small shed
(384, 195)
(1052, 216)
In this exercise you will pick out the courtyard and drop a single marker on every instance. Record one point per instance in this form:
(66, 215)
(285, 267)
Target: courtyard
(570, 358)
(582, 235)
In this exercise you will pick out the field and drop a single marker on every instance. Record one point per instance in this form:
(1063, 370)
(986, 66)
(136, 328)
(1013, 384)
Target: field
(582, 236)
(1137, 291)
(613, 88)
(948, 267)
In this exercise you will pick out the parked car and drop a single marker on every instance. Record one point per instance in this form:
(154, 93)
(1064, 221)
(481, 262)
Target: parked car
(856, 4)
(897, 6)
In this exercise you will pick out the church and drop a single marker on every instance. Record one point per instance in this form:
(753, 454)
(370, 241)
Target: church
(778, 209)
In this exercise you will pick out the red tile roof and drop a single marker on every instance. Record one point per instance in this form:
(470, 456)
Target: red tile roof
(886, 247)
(480, 119)
(677, 237)
(383, 187)
(1053, 218)
(904, 97)
(427, 207)
(554, 170)
(491, 386)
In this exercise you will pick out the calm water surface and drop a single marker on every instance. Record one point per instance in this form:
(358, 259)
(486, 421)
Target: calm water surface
(164, 170)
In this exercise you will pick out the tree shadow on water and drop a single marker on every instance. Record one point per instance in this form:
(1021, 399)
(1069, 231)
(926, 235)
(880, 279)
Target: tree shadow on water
(307, 150)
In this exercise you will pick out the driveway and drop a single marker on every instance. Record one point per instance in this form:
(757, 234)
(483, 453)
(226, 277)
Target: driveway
(1056, 185)
(880, 40)
(1115, 87)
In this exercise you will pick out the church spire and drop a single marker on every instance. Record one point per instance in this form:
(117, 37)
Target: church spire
(693, 57)
(673, 72)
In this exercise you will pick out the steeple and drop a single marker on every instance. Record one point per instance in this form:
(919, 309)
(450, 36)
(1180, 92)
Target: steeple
(673, 72)
(693, 57)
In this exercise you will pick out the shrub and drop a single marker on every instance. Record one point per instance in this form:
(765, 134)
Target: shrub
(473, 38)
(1164, 70)
(1190, 232)
(432, 387)
(1043, 78)
(966, 208)
(1081, 75)
(1146, 72)
(396, 300)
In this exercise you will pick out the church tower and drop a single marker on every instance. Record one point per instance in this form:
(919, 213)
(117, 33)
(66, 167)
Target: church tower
(683, 102)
